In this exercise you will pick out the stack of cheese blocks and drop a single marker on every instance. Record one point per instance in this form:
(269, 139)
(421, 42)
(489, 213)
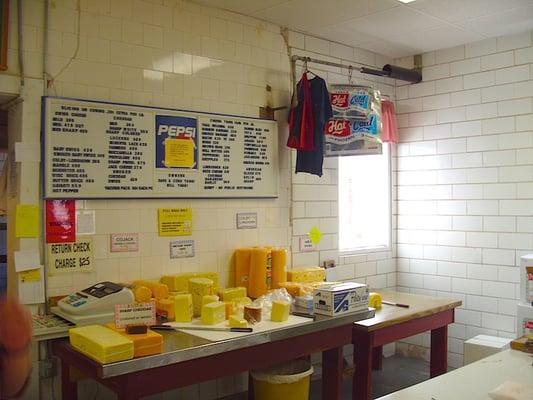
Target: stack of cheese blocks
(195, 294)
(302, 281)
(107, 344)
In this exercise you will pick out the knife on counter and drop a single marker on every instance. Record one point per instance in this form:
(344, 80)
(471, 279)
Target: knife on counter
(198, 328)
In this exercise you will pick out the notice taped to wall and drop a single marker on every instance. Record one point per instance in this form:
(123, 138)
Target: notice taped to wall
(175, 221)
(70, 257)
(107, 150)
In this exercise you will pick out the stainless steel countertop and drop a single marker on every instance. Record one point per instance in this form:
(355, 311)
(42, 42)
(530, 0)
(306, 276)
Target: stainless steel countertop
(179, 346)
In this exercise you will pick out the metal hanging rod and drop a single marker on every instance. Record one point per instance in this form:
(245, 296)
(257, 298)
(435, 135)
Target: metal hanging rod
(388, 71)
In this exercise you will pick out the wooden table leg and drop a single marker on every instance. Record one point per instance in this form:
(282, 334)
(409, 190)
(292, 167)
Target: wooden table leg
(251, 394)
(363, 343)
(69, 389)
(439, 351)
(332, 364)
(377, 358)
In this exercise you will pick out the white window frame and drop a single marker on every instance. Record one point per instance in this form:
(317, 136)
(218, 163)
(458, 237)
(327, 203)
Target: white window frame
(377, 249)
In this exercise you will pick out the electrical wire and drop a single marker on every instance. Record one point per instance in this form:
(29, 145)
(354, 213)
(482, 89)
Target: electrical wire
(52, 78)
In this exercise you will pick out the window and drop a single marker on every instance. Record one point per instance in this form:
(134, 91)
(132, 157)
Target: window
(365, 202)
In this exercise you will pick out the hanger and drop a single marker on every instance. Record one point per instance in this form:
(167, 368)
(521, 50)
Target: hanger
(306, 70)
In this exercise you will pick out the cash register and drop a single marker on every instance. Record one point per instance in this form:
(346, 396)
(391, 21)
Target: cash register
(93, 305)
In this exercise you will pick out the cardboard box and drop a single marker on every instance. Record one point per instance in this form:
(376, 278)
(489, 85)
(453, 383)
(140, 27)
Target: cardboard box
(340, 298)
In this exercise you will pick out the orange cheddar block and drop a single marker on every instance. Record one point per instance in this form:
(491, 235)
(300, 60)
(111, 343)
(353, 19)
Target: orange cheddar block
(144, 344)
(160, 291)
(165, 308)
(142, 294)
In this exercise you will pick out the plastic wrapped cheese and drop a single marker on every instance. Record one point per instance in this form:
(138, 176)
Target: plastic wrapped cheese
(101, 344)
(199, 287)
(144, 344)
(308, 274)
(183, 309)
(213, 313)
(180, 282)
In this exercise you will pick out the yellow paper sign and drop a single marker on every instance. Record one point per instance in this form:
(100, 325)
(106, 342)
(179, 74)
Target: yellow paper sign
(315, 235)
(179, 153)
(71, 257)
(175, 221)
(32, 275)
(27, 221)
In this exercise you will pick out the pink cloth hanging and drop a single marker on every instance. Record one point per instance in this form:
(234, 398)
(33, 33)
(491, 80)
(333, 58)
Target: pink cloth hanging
(390, 126)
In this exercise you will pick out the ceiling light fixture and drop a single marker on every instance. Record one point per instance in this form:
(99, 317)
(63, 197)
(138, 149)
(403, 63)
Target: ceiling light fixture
(406, 1)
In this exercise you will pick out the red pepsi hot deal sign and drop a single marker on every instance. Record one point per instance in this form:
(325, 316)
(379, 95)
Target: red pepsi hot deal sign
(176, 142)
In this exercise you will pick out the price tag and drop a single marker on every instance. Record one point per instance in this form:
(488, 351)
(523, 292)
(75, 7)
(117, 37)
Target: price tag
(182, 249)
(134, 314)
(306, 245)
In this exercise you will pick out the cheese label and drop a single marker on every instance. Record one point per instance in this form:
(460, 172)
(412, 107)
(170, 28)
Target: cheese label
(134, 314)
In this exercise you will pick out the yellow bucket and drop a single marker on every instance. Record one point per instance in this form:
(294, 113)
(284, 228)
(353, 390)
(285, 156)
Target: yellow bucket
(288, 381)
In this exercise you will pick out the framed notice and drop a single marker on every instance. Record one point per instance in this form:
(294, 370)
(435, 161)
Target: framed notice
(109, 150)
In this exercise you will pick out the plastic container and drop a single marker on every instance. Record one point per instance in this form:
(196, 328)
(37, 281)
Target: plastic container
(289, 381)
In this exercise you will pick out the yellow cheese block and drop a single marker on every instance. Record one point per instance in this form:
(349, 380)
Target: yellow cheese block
(144, 344)
(229, 294)
(165, 308)
(213, 313)
(374, 300)
(236, 322)
(309, 274)
(209, 298)
(183, 310)
(242, 266)
(101, 344)
(280, 311)
(180, 282)
(142, 294)
(199, 287)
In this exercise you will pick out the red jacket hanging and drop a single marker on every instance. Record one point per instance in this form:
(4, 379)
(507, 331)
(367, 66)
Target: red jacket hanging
(301, 118)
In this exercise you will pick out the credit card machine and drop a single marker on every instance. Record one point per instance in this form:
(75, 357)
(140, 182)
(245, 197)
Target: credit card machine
(97, 299)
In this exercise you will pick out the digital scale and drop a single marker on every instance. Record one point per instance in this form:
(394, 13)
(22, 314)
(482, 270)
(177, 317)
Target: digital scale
(94, 305)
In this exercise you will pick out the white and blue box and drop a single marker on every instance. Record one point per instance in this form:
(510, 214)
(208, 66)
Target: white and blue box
(340, 298)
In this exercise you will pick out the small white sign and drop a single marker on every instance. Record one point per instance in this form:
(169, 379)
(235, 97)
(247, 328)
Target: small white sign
(182, 249)
(122, 242)
(85, 222)
(306, 244)
(134, 314)
(247, 220)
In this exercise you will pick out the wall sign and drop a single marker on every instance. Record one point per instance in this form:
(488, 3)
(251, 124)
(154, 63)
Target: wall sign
(124, 242)
(70, 257)
(182, 249)
(175, 221)
(107, 150)
(247, 220)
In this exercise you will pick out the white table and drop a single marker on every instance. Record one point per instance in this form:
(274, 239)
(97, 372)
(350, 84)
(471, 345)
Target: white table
(473, 381)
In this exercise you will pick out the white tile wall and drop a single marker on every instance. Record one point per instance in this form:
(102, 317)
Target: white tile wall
(489, 107)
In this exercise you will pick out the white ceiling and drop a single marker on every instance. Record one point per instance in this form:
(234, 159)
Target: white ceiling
(388, 26)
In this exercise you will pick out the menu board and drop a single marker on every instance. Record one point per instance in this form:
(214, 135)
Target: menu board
(108, 150)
